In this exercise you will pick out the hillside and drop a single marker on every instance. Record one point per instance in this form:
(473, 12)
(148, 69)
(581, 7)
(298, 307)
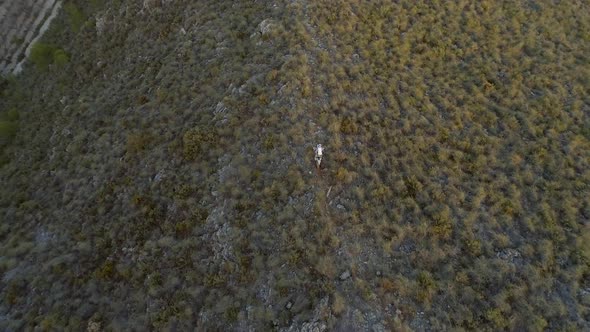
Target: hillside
(158, 173)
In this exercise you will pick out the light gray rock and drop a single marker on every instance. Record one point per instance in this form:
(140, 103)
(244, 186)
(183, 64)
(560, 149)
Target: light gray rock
(345, 275)
(378, 328)
(508, 254)
(313, 327)
(266, 26)
(101, 23)
(315, 324)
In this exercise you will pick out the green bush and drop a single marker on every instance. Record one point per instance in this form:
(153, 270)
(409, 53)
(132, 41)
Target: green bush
(496, 317)
(348, 126)
(60, 57)
(7, 130)
(138, 142)
(75, 16)
(196, 141)
(12, 115)
(43, 55)
(106, 270)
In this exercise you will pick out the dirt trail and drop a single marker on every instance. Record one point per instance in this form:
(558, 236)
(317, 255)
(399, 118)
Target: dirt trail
(360, 313)
(22, 24)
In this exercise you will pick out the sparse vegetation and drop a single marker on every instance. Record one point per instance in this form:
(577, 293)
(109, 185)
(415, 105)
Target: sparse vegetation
(75, 16)
(7, 130)
(160, 174)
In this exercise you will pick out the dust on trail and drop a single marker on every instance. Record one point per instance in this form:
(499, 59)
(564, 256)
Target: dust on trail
(22, 24)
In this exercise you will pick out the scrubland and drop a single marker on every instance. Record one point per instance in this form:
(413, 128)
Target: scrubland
(157, 167)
